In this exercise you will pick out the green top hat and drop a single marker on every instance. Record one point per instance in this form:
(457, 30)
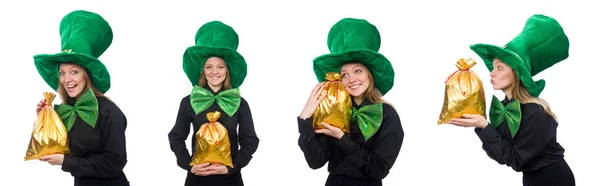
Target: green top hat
(84, 37)
(215, 39)
(355, 40)
(541, 44)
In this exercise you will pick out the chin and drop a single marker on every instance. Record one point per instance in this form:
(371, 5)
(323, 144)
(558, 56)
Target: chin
(356, 93)
(496, 87)
(72, 96)
(214, 83)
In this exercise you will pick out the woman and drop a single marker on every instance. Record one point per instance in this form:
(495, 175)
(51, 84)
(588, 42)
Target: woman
(95, 125)
(522, 132)
(216, 70)
(365, 156)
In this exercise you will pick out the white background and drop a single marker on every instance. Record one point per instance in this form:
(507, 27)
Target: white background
(423, 39)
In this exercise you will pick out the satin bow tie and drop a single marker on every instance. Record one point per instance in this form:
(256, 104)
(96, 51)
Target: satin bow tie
(228, 100)
(86, 107)
(511, 113)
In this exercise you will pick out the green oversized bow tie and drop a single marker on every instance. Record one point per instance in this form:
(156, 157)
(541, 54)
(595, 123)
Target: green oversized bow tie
(369, 119)
(511, 113)
(86, 107)
(229, 100)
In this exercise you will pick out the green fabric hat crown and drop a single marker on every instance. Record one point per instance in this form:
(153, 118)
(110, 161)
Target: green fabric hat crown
(215, 39)
(355, 40)
(84, 37)
(540, 45)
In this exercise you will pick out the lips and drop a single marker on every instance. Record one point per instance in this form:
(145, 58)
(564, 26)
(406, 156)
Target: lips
(70, 88)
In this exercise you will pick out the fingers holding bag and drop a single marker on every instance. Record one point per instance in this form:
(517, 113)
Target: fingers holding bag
(464, 93)
(49, 134)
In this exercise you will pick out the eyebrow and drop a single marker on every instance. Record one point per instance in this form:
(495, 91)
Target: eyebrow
(68, 68)
(220, 64)
(357, 65)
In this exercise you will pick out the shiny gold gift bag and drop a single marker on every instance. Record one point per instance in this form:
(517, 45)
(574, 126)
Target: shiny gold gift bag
(464, 93)
(336, 107)
(212, 143)
(49, 135)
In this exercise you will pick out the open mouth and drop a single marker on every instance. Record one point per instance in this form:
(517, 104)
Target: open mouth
(354, 87)
(71, 88)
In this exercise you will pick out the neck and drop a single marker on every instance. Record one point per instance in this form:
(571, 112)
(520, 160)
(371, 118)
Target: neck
(79, 95)
(215, 88)
(359, 99)
(508, 93)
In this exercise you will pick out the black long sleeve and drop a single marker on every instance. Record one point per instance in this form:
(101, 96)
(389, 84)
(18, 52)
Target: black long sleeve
(534, 145)
(240, 128)
(351, 156)
(247, 139)
(98, 152)
(179, 133)
(316, 147)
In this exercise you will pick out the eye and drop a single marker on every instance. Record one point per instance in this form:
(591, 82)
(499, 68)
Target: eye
(500, 68)
(344, 75)
(61, 73)
(74, 72)
(357, 71)
(221, 67)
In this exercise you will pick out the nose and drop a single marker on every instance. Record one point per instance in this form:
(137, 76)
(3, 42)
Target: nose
(351, 78)
(210, 71)
(68, 77)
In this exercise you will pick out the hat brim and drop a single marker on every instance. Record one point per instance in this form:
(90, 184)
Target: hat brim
(379, 66)
(489, 52)
(195, 57)
(48, 64)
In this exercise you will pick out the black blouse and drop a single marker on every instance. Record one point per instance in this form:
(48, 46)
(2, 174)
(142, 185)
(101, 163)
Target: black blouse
(351, 156)
(241, 154)
(534, 145)
(98, 155)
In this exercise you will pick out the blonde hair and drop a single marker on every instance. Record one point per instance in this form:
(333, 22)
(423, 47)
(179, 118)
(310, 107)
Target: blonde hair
(372, 93)
(64, 96)
(519, 92)
(226, 82)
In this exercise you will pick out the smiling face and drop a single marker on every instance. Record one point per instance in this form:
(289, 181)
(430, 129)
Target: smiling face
(72, 78)
(215, 72)
(355, 78)
(502, 76)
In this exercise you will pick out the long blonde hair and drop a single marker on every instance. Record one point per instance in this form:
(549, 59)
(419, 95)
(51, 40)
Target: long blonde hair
(64, 96)
(372, 93)
(519, 92)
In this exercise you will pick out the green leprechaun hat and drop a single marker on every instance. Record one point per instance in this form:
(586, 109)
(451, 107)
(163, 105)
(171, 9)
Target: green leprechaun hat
(540, 45)
(355, 40)
(215, 39)
(84, 37)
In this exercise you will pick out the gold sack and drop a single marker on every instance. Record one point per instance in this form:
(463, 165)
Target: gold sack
(336, 107)
(49, 135)
(212, 143)
(464, 93)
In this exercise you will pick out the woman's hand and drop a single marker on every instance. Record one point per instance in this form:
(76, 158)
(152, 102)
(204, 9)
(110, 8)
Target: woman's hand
(313, 101)
(212, 170)
(470, 120)
(40, 105)
(53, 159)
(199, 168)
(330, 131)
